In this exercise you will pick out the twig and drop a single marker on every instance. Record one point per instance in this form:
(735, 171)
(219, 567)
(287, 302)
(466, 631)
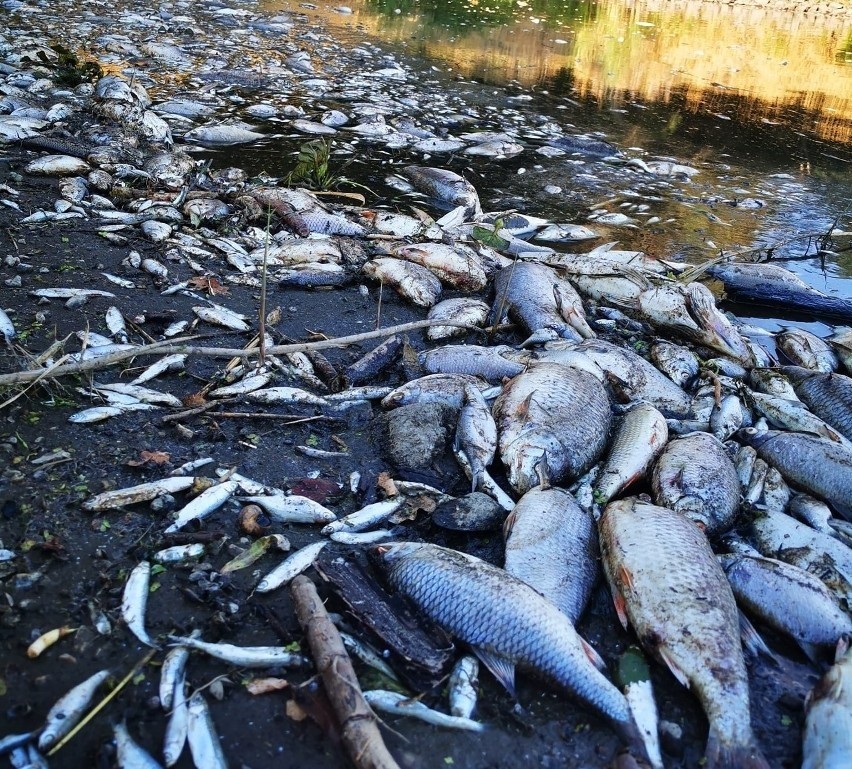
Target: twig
(103, 703)
(358, 725)
(261, 321)
(174, 346)
(296, 420)
(181, 415)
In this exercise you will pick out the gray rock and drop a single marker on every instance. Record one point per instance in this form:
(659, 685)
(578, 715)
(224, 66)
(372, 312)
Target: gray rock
(472, 512)
(414, 436)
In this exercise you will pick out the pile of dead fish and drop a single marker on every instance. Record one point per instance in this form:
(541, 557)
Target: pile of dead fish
(745, 464)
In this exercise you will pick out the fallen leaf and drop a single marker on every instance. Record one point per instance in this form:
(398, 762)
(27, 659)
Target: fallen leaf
(156, 457)
(208, 283)
(317, 489)
(248, 520)
(255, 551)
(295, 711)
(266, 685)
(386, 484)
(191, 401)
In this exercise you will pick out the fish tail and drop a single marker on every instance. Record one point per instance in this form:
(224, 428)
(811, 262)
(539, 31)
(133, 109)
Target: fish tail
(739, 756)
(632, 738)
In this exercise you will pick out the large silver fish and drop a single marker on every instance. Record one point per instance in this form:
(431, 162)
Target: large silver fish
(817, 465)
(491, 363)
(666, 580)
(695, 476)
(828, 719)
(552, 545)
(829, 396)
(446, 186)
(506, 622)
(551, 418)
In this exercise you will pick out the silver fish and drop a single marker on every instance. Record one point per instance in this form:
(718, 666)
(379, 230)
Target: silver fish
(639, 438)
(678, 363)
(565, 233)
(292, 508)
(411, 281)
(506, 622)
(291, 567)
(221, 316)
(174, 362)
(695, 477)
(828, 716)
(771, 382)
(794, 415)
(285, 396)
(129, 754)
(829, 396)
(111, 500)
(402, 705)
(434, 388)
(727, 417)
(201, 734)
(458, 266)
(69, 709)
(172, 671)
(361, 537)
(815, 464)
(491, 363)
(476, 434)
(665, 578)
(222, 135)
(462, 310)
(802, 348)
(788, 599)
(841, 341)
(135, 600)
(366, 517)
(553, 413)
(244, 656)
(446, 186)
(203, 505)
(178, 553)
(552, 545)
(144, 394)
(7, 328)
(463, 686)
(177, 727)
(367, 655)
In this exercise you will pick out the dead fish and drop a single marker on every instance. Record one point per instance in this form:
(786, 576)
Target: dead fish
(804, 349)
(462, 310)
(174, 362)
(202, 737)
(491, 363)
(506, 622)
(285, 396)
(177, 727)
(678, 363)
(635, 679)
(446, 186)
(366, 517)
(204, 504)
(57, 165)
(172, 672)
(817, 465)
(495, 149)
(247, 385)
(828, 716)
(476, 434)
(565, 233)
(788, 599)
(110, 500)
(243, 656)
(695, 477)
(665, 578)
(134, 601)
(291, 567)
(222, 135)
(433, 388)
(727, 417)
(130, 755)
(458, 266)
(829, 396)
(552, 545)
(221, 316)
(179, 553)
(639, 439)
(69, 709)
(7, 328)
(411, 281)
(367, 655)
(551, 418)
(463, 686)
(403, 705)
(794, 414)
(292, 508)
(69, 293)
(841, 341)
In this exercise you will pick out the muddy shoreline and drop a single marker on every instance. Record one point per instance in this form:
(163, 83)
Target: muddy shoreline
(72, 564)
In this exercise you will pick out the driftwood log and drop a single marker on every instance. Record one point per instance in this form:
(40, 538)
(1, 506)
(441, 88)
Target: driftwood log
(359, 727)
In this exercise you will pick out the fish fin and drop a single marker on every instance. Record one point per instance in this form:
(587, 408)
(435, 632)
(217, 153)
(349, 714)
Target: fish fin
(542, 470)
(673, 666)
(620, 608)
(501, 668)
(592, 654)
(524, 407)
(741, 756)
(508, 524)
(813, 652)
(752, 640)
(625, 576)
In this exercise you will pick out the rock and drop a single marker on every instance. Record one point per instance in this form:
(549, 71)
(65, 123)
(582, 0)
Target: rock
(472, 512)
(415, 436)
(671, 738)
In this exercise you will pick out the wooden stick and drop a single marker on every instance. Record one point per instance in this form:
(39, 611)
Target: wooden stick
(359, 727)
(173, 346)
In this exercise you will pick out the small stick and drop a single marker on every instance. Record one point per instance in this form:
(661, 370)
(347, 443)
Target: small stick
(296, 420)
(359, 727)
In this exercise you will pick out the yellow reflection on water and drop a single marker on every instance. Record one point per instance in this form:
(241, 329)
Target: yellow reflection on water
(748, 63)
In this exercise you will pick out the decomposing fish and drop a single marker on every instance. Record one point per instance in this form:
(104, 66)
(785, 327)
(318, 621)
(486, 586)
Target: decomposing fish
(678, 363)
(204, 504)
(666, 580)
(7, 328)
(446, 186)
(110, 500)
(402, 705)
(411, 281)
(69, 709)
(463, 686)
(177, 728)
(506, 622)
(551, 418)
(366, 517)
(476, 434)
(243, 656)
(803, 348)
(179, 553)
(695, 477)
(174, 362)
(285, 396)
(491, 363)
(434, 388)
(828, 716)
(135, 601)
(291, 567)
(458, 266)
(46, 640)
(552, 545)
(172, 672)
(794, 415)
(829, 396)
(461, 310)
(292, 508)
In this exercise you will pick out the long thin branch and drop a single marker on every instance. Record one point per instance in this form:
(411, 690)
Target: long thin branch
(179, 346)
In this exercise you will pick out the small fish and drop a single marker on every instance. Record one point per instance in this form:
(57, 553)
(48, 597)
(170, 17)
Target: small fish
(565, 233)
(828, 716)
(366, 517)
(804, 349)
(367, 655)
(201, 734)
(178, 553)
(134, 601)
(292, 508)
(286, 396)
(291, 567)
(172, 671)
(411, 281)
(476, 434)
(244, 386)
(462, 310)
(129, 754)
(177, 727)
(635, 678)
(203, 505)
(463, 686)
(491, 363)
(174, 362)
(143, 394)
(356, 538)
(402, 705)
(244, 656)
(7, 328)
(69, 709)
(111, 500)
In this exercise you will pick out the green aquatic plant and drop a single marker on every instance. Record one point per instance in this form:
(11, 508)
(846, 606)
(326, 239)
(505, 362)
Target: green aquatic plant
(312, 166)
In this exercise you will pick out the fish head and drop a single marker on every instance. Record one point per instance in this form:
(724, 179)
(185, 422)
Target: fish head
(528, 457)
(717, 331)
(389, 553)
(397, 398)
(751, 436)
(694, 508)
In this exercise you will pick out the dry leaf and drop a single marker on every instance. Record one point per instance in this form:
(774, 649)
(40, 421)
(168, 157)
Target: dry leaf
(266, 685)
(386, 484)
(295, 711)
(274, 318)
(317, 489)
(208, 283)
(157, 457)
(191, 401)
(248, 520)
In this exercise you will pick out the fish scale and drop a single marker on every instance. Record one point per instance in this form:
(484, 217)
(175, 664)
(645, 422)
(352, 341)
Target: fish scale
(666, 579)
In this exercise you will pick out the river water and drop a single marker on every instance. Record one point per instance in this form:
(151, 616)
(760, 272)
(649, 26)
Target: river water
(759, 100)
